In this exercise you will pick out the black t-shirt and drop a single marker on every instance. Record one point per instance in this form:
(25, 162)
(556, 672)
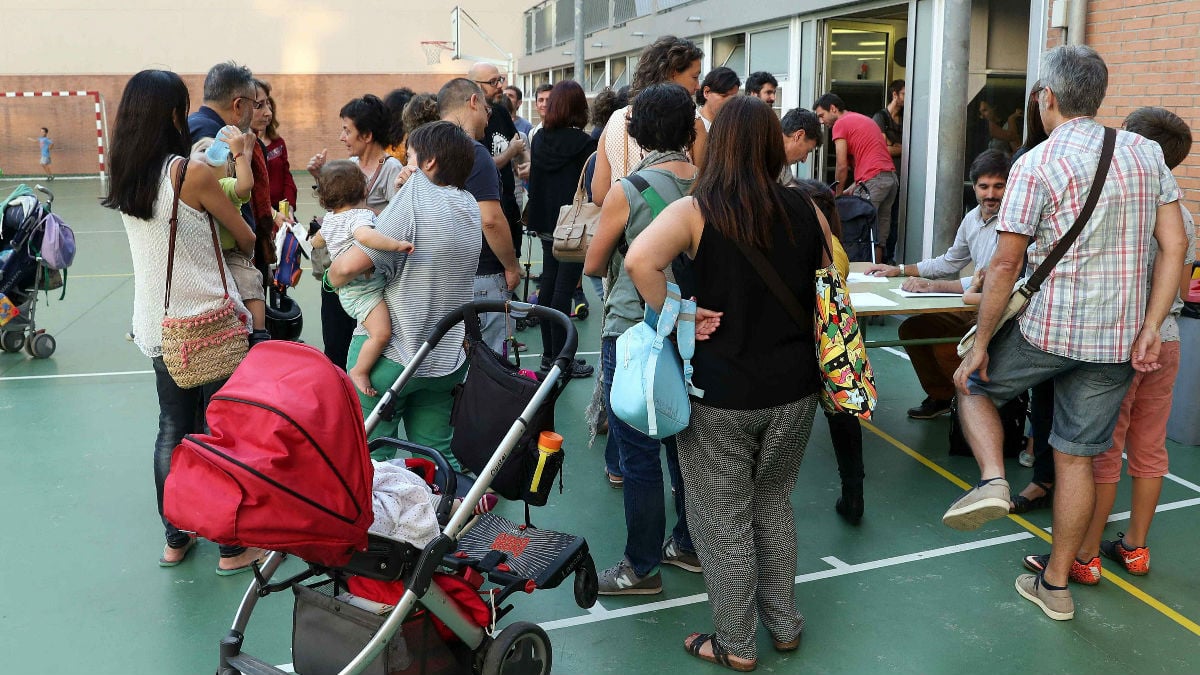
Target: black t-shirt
(484, 186)
(893, 131)
(497, 136)
(758, 358)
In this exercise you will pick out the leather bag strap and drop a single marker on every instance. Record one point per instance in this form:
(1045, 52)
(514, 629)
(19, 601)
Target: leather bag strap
(212, 226)
(1060, 249)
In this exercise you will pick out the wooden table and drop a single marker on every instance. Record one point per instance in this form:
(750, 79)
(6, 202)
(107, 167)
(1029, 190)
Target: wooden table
(904, 306)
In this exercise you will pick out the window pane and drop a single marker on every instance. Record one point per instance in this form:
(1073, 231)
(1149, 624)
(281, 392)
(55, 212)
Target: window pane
(769, 52)
(730, 51)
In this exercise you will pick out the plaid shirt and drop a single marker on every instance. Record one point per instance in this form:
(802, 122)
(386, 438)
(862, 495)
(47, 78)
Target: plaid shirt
(1094, 302)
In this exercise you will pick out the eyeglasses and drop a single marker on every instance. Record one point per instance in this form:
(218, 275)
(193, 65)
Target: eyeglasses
(257, 105)
(494, 82)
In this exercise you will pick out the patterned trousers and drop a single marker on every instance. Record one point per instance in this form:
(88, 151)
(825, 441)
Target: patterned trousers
(739, 469)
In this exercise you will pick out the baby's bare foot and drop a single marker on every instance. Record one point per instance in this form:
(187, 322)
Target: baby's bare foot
(362, 382)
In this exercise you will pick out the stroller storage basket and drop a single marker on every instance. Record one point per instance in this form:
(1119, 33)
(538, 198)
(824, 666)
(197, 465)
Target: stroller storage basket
(327, 632)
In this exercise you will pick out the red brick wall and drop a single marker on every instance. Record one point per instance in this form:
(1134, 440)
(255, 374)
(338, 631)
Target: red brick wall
(307, 107)
(1152, 48)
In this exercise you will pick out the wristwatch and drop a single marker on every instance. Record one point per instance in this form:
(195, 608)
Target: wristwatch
(903, 273)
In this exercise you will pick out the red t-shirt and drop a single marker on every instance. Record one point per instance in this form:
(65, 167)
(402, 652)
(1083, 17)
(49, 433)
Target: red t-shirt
(865, 145)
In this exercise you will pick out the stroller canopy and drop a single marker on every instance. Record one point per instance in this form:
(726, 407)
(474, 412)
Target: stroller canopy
(285, 466)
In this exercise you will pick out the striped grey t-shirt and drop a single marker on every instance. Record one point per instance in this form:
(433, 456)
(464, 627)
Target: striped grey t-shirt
(438, 277)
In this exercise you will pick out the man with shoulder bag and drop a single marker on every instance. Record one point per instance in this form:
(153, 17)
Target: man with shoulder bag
(1091, 199)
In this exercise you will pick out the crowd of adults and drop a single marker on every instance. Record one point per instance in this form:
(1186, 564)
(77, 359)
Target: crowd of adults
(710, 170)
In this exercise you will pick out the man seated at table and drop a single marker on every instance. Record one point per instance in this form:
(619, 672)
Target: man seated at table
(974, 243)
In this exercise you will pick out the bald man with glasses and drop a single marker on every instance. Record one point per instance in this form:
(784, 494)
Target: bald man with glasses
(502, 140)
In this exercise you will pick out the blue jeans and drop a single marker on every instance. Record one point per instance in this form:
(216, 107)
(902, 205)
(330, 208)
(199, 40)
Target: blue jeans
(645, 517)
(180, 412)
(494, 325)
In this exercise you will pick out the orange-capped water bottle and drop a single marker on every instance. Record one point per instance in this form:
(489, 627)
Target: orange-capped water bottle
(549, 445)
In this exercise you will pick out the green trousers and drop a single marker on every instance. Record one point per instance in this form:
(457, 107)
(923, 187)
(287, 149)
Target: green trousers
(424, 405)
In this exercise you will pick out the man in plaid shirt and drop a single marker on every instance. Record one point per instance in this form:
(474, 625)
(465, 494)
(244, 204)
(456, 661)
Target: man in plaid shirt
(1092, 324)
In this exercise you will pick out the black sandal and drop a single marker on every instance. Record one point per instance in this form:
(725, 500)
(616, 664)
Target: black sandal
(719, 655)
(1023, 504)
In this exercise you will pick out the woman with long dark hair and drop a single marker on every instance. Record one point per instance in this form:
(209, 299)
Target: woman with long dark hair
(560, 151)
(150, 145)
(366, 133)
(741, 452)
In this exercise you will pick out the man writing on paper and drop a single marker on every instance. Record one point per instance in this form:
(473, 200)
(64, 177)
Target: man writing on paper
(974, 243)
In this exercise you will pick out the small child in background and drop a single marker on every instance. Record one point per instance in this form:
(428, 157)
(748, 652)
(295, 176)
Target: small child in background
(342, 190)
(237, 179)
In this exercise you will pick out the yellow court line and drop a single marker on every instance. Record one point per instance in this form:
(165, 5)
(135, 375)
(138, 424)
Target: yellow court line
(1120, 583)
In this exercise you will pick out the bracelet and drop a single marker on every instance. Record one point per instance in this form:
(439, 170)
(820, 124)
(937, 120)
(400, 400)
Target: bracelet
(236, 155)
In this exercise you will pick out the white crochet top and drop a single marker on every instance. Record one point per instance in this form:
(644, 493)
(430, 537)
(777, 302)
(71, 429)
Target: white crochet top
(196, 287)
(624, 153)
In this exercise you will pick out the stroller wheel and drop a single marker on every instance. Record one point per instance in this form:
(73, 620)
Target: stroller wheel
(522, 648)
(41, 346)
(581, 312)
(12, 341)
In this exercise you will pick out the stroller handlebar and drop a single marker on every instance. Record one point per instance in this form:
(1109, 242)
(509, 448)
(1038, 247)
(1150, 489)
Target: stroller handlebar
(46, 191)
(540, 312)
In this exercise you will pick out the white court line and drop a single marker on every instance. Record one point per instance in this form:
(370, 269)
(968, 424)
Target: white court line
(835, 562)
(597, 608)
(801, 579)
(841, 568)
(897, 352)
(69, 375)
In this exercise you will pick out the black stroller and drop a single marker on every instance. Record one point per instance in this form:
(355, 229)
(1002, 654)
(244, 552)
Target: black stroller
(429, 629)
(22, 272)
(859, 220)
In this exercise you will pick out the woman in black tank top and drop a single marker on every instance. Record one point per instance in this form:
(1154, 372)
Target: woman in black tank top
(741, 452)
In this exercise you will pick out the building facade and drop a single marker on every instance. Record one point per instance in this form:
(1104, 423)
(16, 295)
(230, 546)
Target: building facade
(968, 66)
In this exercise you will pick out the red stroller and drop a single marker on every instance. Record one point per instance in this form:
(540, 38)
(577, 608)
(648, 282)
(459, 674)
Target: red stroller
(297, 480)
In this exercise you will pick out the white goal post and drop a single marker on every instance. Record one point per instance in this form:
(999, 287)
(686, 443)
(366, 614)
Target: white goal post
(101, 118)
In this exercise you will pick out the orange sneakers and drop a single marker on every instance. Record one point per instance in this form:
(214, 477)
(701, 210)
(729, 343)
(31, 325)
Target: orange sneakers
(1087, 573)
(1136, 561)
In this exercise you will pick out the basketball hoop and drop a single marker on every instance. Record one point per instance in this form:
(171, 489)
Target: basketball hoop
(434, 49)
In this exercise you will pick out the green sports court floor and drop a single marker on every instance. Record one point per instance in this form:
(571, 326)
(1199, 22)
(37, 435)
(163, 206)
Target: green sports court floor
(82, 592)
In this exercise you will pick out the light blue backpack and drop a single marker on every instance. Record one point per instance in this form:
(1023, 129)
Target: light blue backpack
(653, 376)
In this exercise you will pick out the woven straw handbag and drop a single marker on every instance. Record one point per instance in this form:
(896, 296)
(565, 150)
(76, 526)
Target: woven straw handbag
(203, 348)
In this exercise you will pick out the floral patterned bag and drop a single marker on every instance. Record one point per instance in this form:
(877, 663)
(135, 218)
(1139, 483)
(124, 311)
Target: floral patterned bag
(848, 381)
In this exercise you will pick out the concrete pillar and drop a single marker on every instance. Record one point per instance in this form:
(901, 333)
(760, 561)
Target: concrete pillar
(952, 121)
(579, 74)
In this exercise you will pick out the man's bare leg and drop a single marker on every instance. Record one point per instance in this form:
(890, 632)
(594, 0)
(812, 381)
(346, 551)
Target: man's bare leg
(1074, 501)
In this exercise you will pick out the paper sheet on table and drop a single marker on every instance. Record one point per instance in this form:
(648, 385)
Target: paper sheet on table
(909, 294)
(863, 300)
(860, 278)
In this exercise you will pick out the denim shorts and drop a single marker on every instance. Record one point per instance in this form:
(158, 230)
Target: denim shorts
(1087, 396)
(495, 326)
